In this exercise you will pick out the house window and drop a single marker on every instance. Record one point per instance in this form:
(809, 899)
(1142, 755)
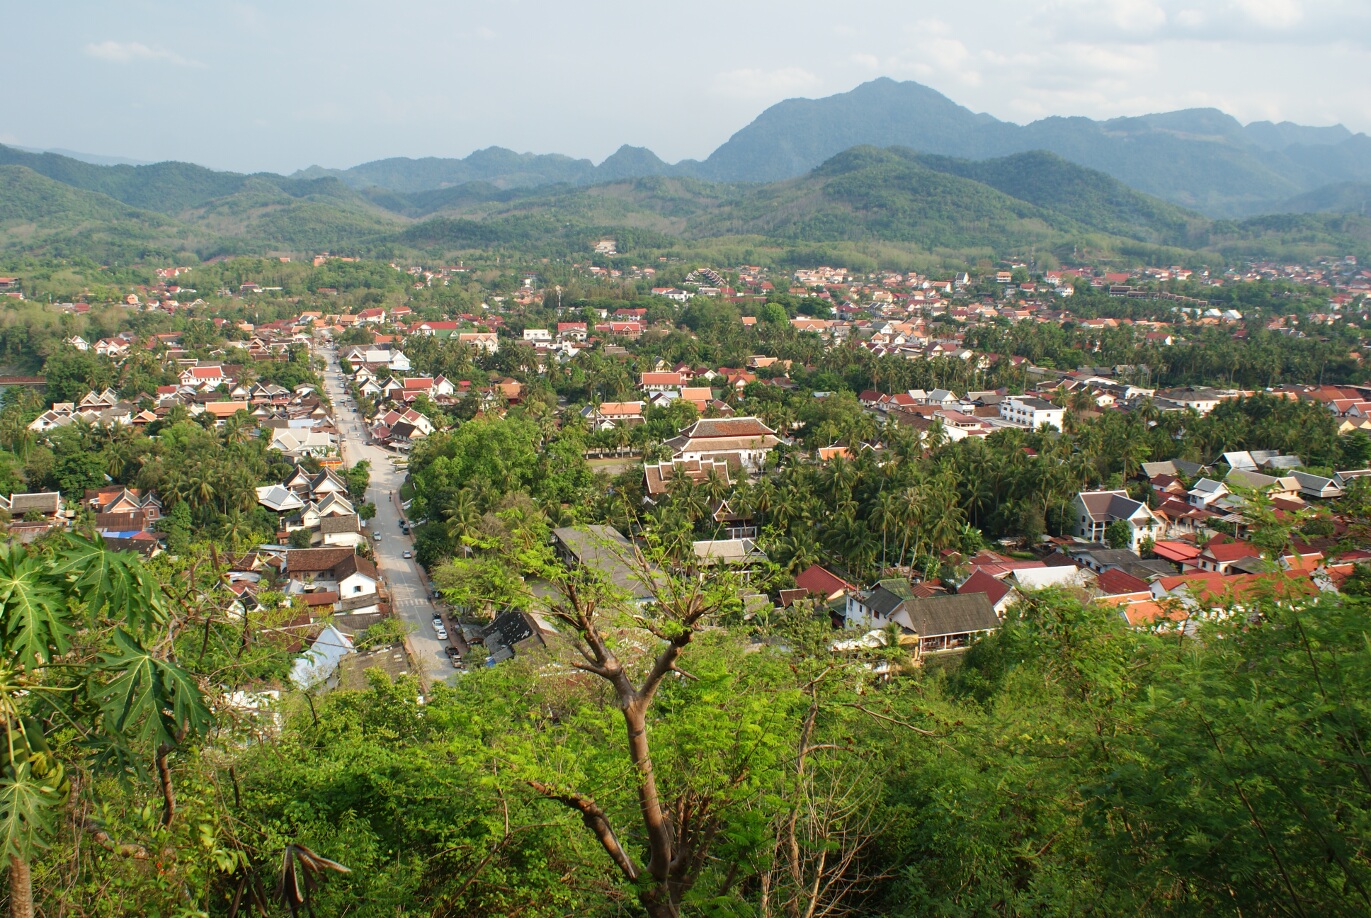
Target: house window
(357, 588)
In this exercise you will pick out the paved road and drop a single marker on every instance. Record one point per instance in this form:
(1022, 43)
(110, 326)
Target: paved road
(409, 597)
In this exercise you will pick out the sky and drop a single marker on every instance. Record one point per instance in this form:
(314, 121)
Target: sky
(257, 86)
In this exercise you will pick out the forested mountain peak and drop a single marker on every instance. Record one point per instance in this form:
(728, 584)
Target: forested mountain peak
(1203, 158)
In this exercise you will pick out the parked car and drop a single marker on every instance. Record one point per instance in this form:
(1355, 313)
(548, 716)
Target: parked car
(437, 593)
(406, 555)
(376, 536)
(440, 633)
(437, 620)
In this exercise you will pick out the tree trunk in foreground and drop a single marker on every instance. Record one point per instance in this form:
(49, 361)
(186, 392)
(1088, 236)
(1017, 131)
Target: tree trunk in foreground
(21, 888)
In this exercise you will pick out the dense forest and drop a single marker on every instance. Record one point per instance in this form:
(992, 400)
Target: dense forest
(1068, 766)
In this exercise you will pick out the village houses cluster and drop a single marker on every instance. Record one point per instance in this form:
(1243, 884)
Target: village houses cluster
(1199, 558)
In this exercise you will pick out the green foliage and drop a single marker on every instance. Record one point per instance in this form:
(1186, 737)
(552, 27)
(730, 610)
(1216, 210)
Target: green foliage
(385, 632)
(1119, 534)
(101, 614)
(1253, 791)
(358, 479)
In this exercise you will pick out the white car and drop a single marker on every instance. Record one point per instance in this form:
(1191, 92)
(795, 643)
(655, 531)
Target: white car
(440, 633)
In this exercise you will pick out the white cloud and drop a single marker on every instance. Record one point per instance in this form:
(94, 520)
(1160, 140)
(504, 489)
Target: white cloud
(1136, 15)
(940, 57)
(868, 61)
(1132, 18)
(1191, 19)
(485, 33)
(932, 27)
(1271, 14)
(753, 83)
(129, 52)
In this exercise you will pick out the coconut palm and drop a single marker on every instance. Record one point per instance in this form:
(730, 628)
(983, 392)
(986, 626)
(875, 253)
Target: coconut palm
(460, 515)
(237, 429)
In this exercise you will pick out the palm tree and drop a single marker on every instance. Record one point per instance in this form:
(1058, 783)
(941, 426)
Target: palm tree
(460, 515)
(885, 515)
(839, 476)
(237, 429)
(799, 549)
(202, 486)
(176, 414)
(761, 499)
(715, 486)
(235, 529)
(911, 501)
(944, 517)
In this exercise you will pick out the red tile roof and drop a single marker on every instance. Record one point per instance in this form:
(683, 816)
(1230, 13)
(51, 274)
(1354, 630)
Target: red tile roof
(1176, 551)
(1231, 551)
(1115, 582)
(982, 582)
(816, 579)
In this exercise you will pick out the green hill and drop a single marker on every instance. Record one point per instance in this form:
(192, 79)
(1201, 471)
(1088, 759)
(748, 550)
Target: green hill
(167, 188)
(866, 194)
(1340, 198)
(889, 200)
(1292, 236)
(41, 216)
(1087, 196)
(44, 216)
(321, 214)
(1198, 158)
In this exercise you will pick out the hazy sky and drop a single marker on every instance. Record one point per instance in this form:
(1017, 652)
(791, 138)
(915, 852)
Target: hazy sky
(278, 86)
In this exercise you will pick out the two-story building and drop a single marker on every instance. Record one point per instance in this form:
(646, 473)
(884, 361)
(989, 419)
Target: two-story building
(744, 442)
(1025, 411)
(1095, 511)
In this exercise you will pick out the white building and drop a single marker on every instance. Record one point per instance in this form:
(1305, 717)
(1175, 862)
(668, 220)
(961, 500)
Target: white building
(1095, 511)
(1032, 413)
(488, 342)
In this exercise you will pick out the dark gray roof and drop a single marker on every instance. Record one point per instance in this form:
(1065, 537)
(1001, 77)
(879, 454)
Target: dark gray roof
(1187, 468)
(883, 601)
(342, 522)
(937, 616)
(1038, 404)
(145, 547)
(391, 660)
(604, 550)
(1109, 505)
(1126, 561)
(45, 501)
(512, 627)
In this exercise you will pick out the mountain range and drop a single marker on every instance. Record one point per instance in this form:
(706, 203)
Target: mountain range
(1198, 158)
(888, 164)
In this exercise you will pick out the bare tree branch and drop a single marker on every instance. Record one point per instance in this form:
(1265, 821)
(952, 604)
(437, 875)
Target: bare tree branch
(595, 820)
(888, 719)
